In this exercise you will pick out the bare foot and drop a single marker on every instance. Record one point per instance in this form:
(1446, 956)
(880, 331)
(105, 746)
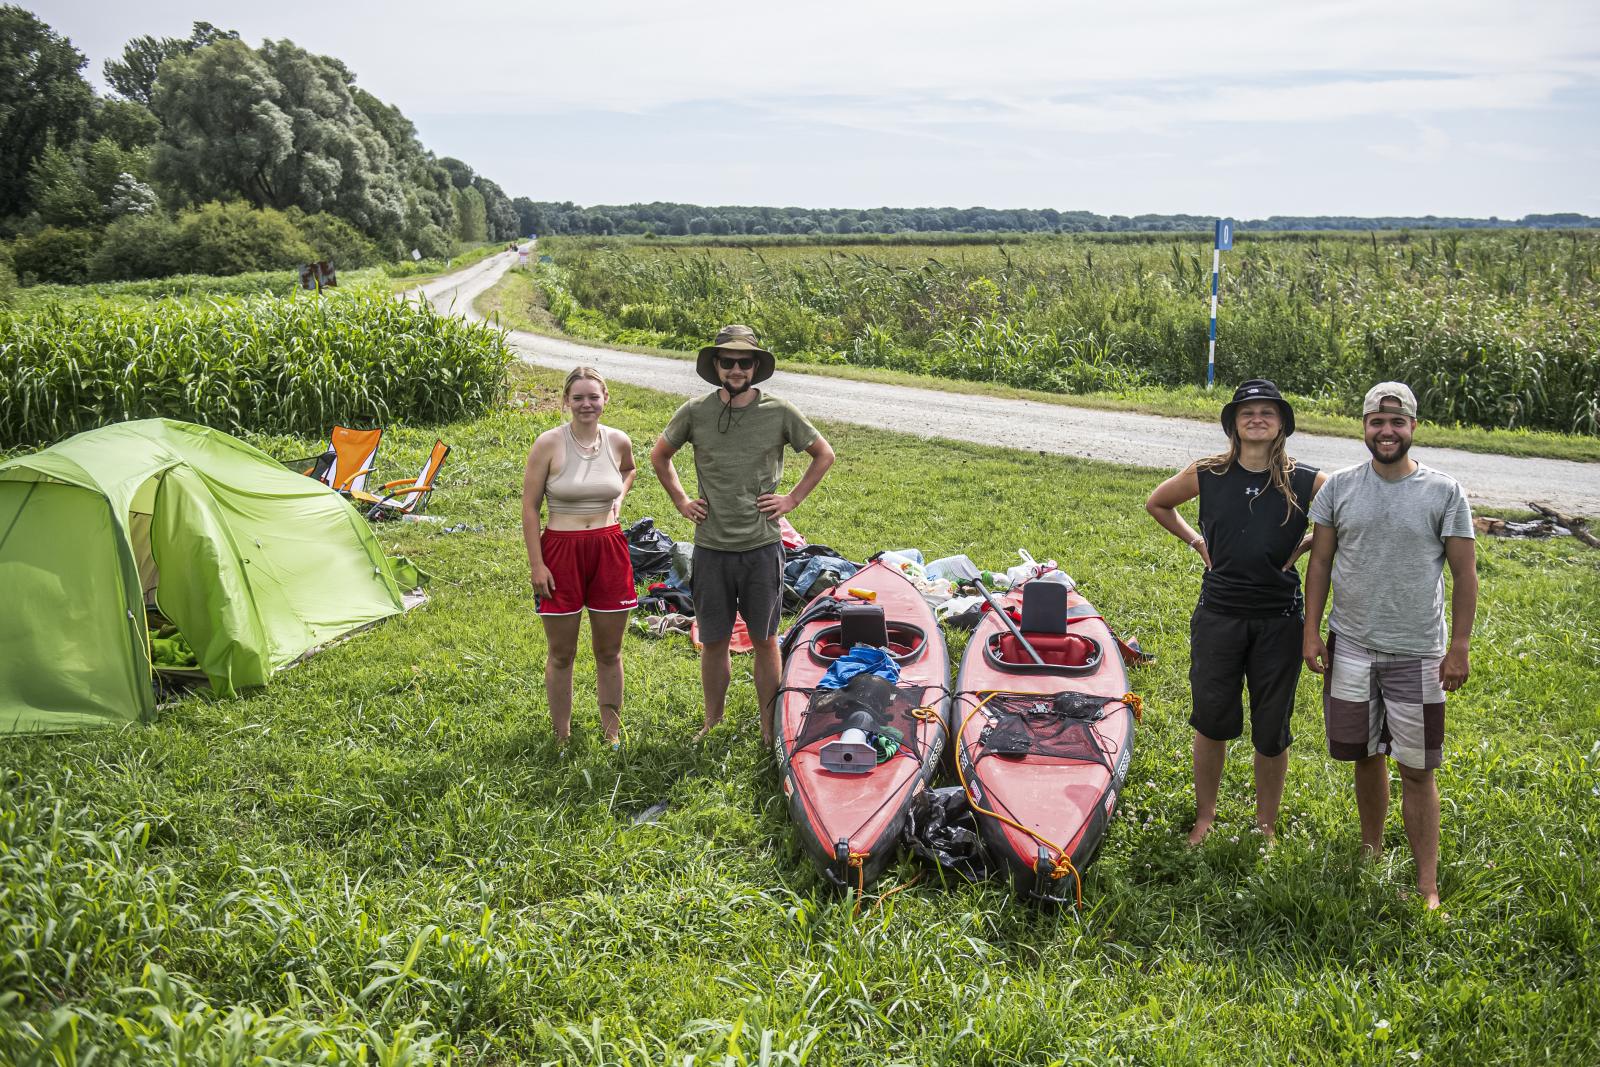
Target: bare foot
(1268, 832)
(711, 724)
(1430, 898)
(1370, 853)
(1202, 827)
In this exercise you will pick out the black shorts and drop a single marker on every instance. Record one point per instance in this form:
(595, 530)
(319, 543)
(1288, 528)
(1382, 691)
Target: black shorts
(1226, 653)
(749, 583)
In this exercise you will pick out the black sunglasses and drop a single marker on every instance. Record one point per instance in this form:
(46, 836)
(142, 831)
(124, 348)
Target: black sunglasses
(741, 362)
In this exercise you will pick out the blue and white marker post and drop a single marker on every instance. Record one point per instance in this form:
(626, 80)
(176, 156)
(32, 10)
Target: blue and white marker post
(1223, 243)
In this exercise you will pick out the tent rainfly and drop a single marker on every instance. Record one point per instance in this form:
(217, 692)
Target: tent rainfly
(254, 563)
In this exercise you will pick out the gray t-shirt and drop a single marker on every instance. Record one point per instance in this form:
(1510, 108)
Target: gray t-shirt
(738, 455)
(1388, 568)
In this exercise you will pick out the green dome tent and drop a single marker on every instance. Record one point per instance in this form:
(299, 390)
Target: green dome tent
(254, 563)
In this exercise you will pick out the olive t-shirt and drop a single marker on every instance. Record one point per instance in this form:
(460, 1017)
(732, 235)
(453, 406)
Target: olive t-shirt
(738, 456)
(1388, 564)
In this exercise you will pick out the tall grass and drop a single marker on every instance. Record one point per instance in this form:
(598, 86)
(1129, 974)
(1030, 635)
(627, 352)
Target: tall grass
(1493, 329)
(268, 365)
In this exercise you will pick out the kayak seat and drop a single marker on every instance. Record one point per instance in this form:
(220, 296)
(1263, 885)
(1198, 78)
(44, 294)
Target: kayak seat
(907, 643)
(863, 624)
(1044, 609)
(1062, 653)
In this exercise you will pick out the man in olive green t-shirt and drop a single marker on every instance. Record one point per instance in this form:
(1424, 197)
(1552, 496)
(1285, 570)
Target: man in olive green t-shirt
(739, 434)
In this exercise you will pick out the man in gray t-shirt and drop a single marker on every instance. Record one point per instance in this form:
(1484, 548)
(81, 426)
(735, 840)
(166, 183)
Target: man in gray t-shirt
(739, 435)
(1384, 532)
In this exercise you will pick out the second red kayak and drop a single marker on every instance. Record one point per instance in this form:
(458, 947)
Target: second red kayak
(1043, 750)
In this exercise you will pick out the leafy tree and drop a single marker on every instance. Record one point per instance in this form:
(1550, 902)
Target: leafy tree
(460, 174)
(43, 98)
(472, 221)
(279, 128)
(223, 136)
(59, 191)
(133, 77)
(426, 186)
(341, 163)
(501, 217)
(530, 216)
(128, 125)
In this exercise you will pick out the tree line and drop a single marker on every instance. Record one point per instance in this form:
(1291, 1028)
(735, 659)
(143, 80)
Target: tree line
(210, 153)
(678, 220)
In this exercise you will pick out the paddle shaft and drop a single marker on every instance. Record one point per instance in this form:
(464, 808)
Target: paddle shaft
(1015, 630)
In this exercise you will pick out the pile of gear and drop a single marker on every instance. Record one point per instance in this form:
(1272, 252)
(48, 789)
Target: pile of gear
(948, 584)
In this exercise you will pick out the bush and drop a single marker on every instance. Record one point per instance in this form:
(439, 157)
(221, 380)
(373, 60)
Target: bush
(235, 238)
(271, 365)
(138, 246)
(54, 255)
(8, 277)
(333, 239)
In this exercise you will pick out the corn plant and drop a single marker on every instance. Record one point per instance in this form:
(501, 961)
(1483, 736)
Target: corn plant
(264, 364)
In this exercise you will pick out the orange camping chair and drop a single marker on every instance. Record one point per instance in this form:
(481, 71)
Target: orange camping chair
(350, 458)
(408, 496)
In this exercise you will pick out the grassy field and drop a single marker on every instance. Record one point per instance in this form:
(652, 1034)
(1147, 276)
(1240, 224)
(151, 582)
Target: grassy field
(517, 303)
(1498, 330)
(382, 858)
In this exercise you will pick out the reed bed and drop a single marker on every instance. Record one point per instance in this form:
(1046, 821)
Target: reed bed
(1495, 329)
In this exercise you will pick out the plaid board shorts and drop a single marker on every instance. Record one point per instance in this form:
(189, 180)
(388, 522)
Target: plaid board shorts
(1375, 703)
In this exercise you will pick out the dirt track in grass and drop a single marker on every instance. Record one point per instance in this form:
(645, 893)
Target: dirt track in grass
(1138, 440)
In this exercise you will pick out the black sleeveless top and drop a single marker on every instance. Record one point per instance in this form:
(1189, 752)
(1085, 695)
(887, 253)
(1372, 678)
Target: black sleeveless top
(1242, 518)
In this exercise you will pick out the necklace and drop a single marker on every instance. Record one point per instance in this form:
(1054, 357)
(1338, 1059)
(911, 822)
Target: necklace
(587, 451)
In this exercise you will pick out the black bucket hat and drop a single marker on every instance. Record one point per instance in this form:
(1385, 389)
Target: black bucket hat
(735, 340)
(1256, 389)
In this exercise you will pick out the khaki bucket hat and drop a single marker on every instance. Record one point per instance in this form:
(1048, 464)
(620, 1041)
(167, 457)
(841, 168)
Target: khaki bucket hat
(740, 341)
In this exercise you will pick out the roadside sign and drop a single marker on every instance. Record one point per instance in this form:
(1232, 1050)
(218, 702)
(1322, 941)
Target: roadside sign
(1224, 234)
(416, 254)
(318, 276)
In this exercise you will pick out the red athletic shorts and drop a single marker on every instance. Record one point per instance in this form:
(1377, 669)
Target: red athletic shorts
(591, 569)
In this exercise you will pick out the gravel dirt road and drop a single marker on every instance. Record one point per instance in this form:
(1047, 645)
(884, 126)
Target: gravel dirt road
(1117, 437)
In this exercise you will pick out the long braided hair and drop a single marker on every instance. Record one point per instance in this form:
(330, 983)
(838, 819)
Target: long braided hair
(1280, 467)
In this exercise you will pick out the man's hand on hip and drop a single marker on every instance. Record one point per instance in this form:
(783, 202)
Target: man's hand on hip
(775, 506)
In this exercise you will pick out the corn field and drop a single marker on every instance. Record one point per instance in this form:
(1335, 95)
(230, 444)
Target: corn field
(1497, 329)
(268, 365)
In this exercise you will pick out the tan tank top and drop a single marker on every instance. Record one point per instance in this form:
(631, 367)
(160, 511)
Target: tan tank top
(587, 485)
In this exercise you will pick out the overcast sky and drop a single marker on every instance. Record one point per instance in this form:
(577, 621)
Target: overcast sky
(1246, 108)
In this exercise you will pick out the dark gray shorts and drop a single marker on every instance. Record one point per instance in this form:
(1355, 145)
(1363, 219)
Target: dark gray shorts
(749, 583)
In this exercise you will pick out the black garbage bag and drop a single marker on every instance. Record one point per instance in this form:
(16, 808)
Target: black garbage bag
(943, 830)
(649, 550)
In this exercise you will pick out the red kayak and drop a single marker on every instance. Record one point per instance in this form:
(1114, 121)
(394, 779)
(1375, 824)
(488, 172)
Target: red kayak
(849, 789)
(1043, 750)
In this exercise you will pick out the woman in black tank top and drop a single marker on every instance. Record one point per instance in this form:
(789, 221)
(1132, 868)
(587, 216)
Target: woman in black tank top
(1246, 627)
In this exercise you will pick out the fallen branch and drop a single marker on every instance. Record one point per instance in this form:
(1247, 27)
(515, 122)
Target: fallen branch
(1576, 524)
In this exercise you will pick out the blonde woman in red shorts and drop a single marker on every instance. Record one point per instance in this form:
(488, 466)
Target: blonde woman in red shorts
(581, 471)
